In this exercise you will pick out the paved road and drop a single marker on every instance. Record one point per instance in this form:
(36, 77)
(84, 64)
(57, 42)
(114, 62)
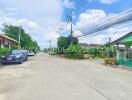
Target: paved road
(46, 77)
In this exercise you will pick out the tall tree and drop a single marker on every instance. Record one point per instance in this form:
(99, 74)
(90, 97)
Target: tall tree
(64, 42)
(14, 31)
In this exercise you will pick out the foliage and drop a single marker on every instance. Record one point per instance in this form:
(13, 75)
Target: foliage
(112, 49)
(3, 51)
(104, 51)
(64, 42)
(14, 31)
(94, 52)
(14, 47)
(74, 40)
(74, 51)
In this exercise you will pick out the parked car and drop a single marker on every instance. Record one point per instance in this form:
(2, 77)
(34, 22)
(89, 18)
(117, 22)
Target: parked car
(31, 53)
(24, 52)
(15, 56)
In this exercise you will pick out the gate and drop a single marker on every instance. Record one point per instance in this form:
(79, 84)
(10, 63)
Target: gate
(125, 57)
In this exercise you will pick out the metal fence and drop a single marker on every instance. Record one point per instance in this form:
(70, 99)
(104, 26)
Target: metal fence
(125, 57)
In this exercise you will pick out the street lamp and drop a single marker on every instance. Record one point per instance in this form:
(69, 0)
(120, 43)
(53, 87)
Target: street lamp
(64, 29)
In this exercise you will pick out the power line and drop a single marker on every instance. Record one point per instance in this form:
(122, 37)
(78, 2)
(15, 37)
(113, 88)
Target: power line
(122, 17)
(70, 15)
(93, 27)
(105, 22)
(78, 7)
(125, 12)
(96, 33)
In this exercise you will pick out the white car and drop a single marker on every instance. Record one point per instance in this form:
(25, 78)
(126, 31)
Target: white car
(31, 53)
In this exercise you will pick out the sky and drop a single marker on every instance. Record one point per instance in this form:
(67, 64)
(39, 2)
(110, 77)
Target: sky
(42, 18)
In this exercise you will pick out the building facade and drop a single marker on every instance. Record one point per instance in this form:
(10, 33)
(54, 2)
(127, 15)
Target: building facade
(6, 41)
(124, 55)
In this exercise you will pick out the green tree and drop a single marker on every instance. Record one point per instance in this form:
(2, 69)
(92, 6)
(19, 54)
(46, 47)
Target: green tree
(74, 51)
(14, 31)
(74, 40)
(65, 42)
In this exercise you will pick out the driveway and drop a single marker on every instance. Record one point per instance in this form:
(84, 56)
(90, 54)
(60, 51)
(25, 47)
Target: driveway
(46, 77)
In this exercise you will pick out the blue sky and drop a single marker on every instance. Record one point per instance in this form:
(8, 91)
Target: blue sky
(41, 18)
(113, 7)
(95, 12)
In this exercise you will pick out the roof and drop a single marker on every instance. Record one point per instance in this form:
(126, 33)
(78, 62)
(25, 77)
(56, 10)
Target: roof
(1, 34)
(124, 39)
(89, 45)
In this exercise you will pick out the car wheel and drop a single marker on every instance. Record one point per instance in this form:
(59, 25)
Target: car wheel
(21, 61)
(26, 59)
(3, 63)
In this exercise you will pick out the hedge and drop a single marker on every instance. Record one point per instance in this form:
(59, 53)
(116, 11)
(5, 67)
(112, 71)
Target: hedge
(3, 51)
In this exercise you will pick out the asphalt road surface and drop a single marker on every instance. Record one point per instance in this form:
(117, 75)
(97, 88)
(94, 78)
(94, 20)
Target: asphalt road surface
(45, 77)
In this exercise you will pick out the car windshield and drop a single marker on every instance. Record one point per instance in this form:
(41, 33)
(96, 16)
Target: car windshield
(16, 52)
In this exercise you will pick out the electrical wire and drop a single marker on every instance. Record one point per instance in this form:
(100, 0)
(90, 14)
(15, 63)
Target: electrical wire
(78, 7)
(97, 33)
(93, 27)
(105, 21)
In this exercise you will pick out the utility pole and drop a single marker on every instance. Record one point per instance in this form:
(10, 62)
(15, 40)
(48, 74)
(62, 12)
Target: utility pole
(50, 44)
(49, 47)
(70, 19)
(111, 36)
(109, 40)
(71, 30)
(19, 40)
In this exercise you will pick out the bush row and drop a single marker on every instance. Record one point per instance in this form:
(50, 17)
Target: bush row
(3, 51)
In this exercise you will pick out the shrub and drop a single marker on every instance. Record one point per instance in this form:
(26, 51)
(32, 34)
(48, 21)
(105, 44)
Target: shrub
(94, 52)
(3, 51)
(14, 47)
(74, 51)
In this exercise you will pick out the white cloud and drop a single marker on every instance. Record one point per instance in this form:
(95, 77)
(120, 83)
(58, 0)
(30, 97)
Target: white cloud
(108, 1)
(97, 39)
(114, 33)
(68, 4)
(89, 18)
(42, 34)
(77, 33)
(40, 18)
(105, 1)
(53, 36)
(93, 18)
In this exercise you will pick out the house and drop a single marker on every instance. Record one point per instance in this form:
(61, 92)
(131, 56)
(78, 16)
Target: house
(124, 55)
(6, 41)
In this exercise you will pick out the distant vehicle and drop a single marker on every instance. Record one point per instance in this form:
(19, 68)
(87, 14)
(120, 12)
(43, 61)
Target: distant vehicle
(15, 56)
(24, 52)
(31, 53)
